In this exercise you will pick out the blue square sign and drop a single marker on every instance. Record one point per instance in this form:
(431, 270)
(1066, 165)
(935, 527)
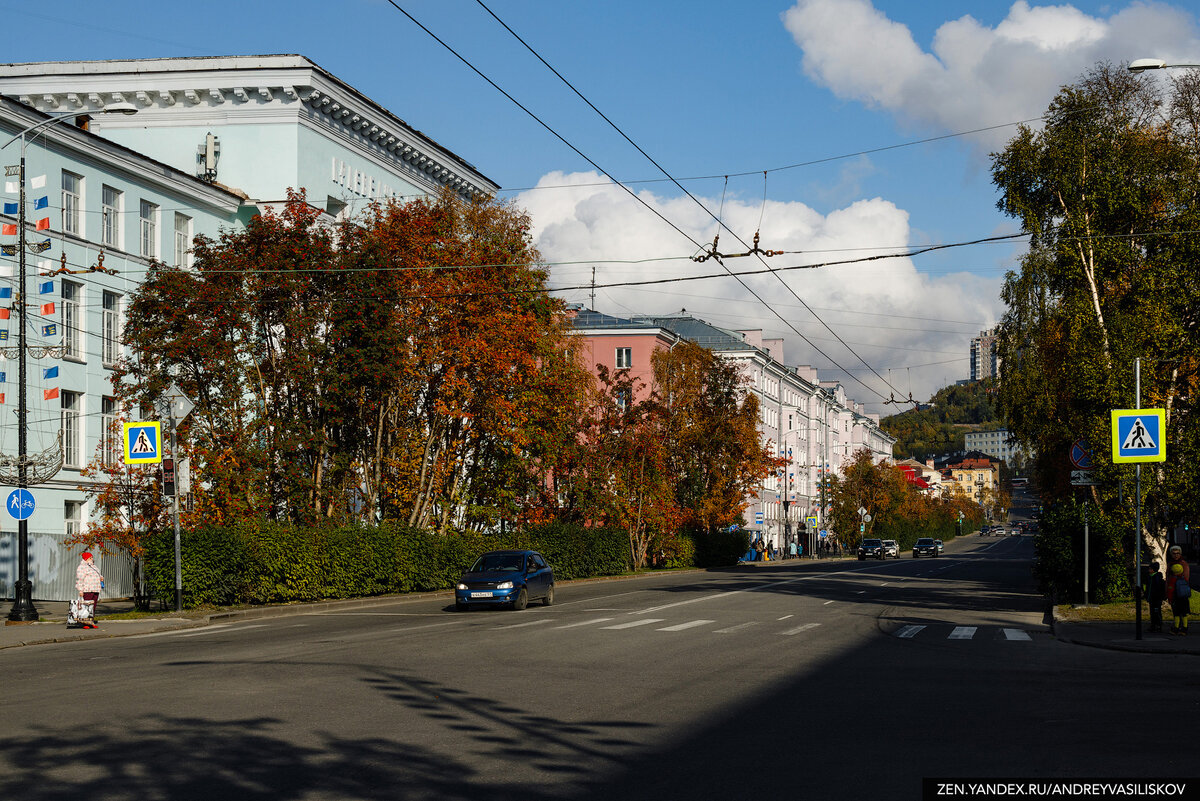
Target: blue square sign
(1138, 435)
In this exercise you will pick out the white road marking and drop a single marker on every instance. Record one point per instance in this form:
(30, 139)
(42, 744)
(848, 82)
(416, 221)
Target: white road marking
(218, 629)
(523, 625)
(908, 632)
(963, 633)
(429, 626)
(690, 625)
(585, 623)
(799, 629)
(738, 627)
(633, 623)
(827, 603)
(1016, 634)
(785, 617)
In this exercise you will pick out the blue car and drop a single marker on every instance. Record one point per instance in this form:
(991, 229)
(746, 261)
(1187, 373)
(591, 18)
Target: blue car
(506, 578)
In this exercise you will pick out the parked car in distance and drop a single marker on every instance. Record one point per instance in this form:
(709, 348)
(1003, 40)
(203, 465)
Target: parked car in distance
(940, 546)
(891, 548)
(925, 546)
(513, 578)
(872, 548)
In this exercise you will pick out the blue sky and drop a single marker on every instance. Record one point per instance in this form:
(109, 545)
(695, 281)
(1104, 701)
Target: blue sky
(709, 89)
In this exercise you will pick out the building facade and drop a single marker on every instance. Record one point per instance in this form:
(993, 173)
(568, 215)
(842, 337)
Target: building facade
(998, 444)
(985, 361)
(213, 142)
(809, 423)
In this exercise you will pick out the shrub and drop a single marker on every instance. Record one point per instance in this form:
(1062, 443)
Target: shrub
(720, 547)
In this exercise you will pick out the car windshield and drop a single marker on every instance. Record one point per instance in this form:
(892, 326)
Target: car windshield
(924, 541)
(497, 562)
(871, 543)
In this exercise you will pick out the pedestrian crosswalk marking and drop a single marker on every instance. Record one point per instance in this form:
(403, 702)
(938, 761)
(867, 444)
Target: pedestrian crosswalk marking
(524, 625)
(689, 625)
(738, 627)
(799, 629)
(963, 633)
(1016, 634)
(643, 622)
(585, 623)
(909, 632)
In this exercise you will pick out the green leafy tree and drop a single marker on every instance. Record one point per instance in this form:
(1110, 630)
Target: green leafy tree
(1107, 191)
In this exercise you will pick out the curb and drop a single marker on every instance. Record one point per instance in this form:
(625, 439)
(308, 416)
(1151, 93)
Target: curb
(1057, 623)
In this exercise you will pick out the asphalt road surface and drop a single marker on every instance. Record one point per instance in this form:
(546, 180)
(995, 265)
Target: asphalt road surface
(846, 680)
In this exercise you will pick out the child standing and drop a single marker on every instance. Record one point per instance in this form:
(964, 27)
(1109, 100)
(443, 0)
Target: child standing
(1178, 589)
(1156, 593)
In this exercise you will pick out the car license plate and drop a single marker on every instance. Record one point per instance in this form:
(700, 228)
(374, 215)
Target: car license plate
(486, 594)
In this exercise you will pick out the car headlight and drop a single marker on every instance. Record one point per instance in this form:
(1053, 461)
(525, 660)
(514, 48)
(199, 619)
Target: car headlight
(462, 586)
(504, 585)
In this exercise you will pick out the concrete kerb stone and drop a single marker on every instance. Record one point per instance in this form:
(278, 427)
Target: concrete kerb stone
(1101, 635)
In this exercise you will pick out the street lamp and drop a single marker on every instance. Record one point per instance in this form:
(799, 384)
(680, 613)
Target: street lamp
(23, 610)
(1143, 64)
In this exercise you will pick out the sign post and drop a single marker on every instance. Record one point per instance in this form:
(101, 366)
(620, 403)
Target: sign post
(1081, 459)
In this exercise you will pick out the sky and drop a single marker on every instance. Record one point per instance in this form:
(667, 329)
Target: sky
(839, 130)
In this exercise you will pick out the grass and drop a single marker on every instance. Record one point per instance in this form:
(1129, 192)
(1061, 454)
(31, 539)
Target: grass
(1119, 611)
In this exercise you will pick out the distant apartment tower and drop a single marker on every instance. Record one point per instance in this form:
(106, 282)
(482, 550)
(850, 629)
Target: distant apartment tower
(985, 363)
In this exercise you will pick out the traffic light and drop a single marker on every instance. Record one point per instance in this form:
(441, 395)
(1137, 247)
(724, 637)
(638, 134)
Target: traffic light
(168, 477)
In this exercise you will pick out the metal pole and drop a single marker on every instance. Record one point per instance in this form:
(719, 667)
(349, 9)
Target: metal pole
(1137, 532)
(23, 610)
(175, 498)
(1085, 552)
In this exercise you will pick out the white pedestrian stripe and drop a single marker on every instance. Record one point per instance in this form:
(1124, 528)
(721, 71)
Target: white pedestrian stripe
(799, 629)
(585, 623)
(218, 629)
(689, 625)
(908, 632)
(738, 627)
(963, 632)
(645, 622)
(1016, 634)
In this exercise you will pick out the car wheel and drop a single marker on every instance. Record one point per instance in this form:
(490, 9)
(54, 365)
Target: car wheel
(521, 601)
(549, 599)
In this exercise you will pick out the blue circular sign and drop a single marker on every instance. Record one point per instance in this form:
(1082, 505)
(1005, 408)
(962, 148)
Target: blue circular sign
(20, 504)
(1081, 455)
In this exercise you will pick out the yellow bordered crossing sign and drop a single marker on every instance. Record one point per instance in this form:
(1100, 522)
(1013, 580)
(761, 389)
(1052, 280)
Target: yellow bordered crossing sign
(1139, 435)
(143, 443)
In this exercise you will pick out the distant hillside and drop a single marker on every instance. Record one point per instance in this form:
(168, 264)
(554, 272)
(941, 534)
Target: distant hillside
(940, 428)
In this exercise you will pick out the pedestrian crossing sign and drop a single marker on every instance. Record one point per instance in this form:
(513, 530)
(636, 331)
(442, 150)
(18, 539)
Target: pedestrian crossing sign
(143, 443)
(1139, 435)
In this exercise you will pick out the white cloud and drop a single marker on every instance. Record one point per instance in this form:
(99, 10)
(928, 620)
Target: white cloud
(583, 219)
(974, 75)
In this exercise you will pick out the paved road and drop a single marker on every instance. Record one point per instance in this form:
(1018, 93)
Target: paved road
(844, 680)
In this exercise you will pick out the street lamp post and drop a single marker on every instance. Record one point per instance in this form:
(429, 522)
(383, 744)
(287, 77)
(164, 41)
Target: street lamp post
(23, 610)
(1143, 64)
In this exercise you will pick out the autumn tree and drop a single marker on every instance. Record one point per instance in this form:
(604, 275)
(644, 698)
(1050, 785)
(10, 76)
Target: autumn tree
(1107, 191)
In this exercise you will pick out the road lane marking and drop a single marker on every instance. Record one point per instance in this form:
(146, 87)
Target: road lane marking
(799, 629)
(963, 633)
(827, 603)
(428, 626)
(738, 627)
(785, 617)
(585, 623)
(689, 625)
(908, 632)
(523, 625)
(1016, 634)
(633, 623)
(218, 629)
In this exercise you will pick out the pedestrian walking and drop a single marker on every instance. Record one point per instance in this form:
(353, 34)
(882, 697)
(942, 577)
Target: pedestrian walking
(89, 582)
(1179, 581)
(1156, 593)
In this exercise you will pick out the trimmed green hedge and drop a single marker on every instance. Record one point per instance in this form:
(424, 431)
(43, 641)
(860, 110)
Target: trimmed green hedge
(259, 562)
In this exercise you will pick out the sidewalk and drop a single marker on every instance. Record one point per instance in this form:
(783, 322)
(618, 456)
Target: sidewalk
(1122, 636)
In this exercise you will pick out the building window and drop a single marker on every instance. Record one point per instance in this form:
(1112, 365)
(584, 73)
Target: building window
(72, 518)
(72, 191)
(111, 328)
(183, 238)
(72, 318)
(149, 223)
(72, 439)
(624, 399)
(110, 436)
(110, 213)
(624, 358)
